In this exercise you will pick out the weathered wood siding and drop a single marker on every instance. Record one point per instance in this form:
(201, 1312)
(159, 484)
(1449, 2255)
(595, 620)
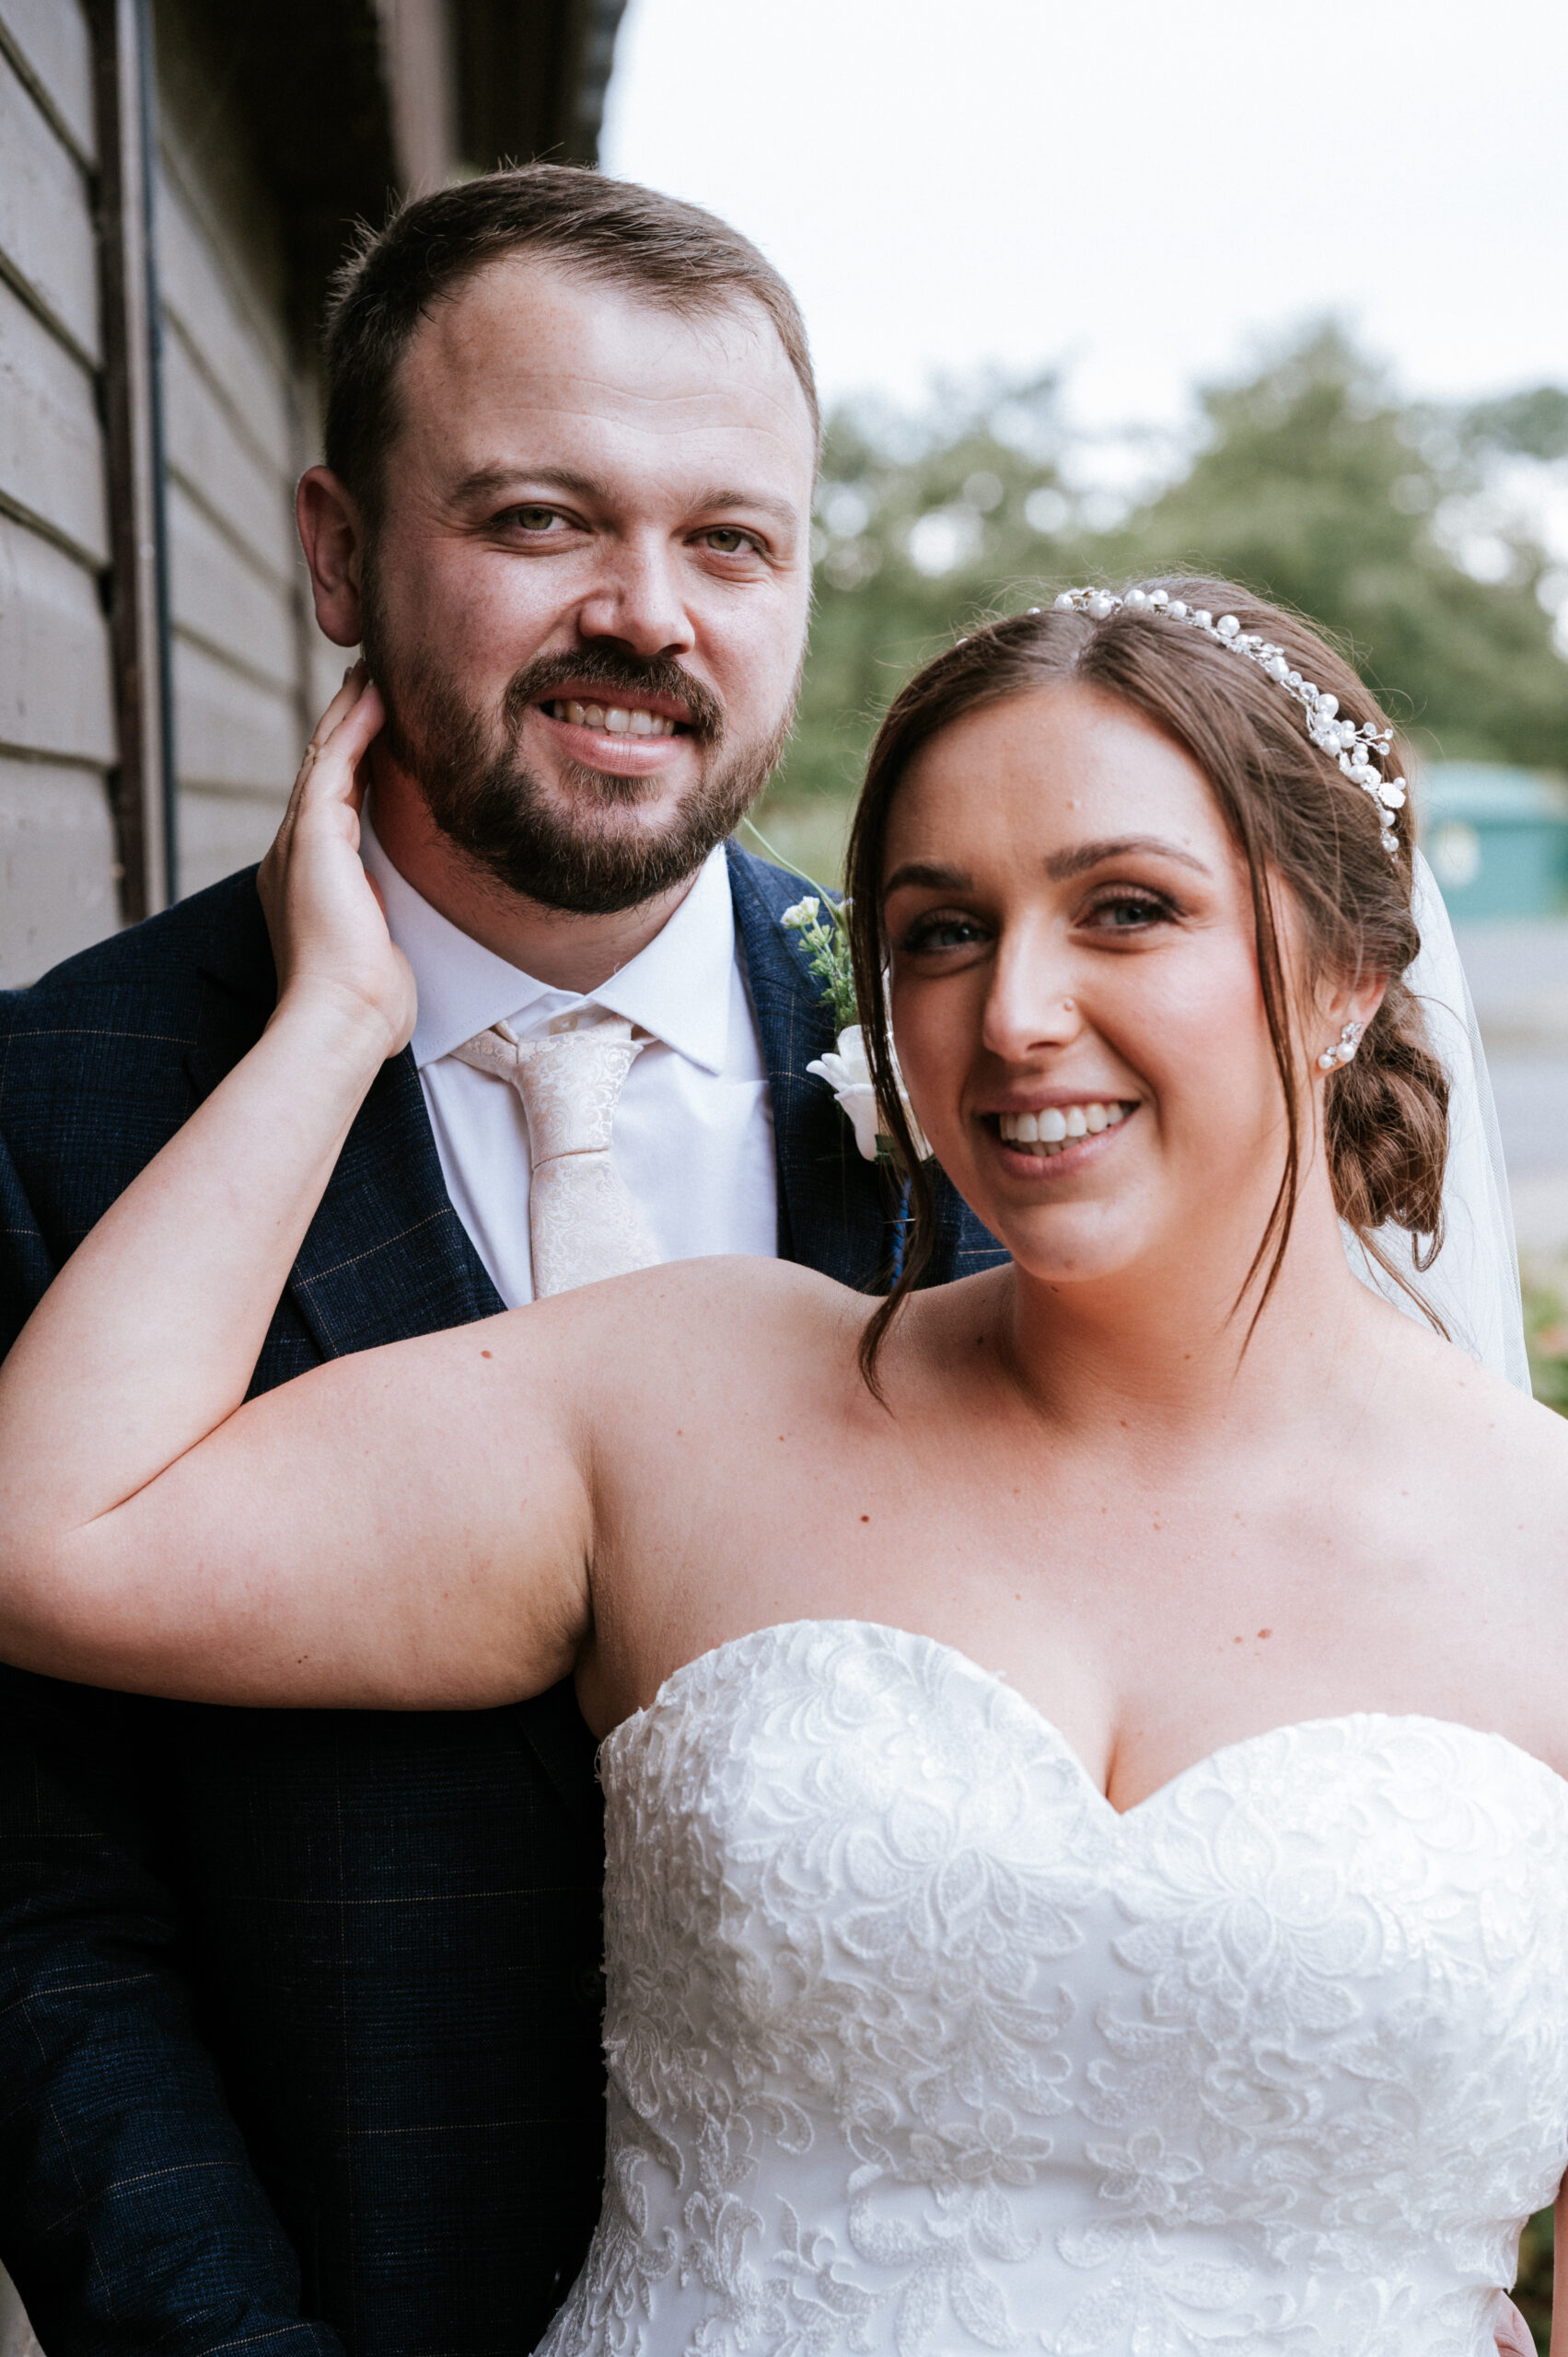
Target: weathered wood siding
(57, 873)
(250, 669)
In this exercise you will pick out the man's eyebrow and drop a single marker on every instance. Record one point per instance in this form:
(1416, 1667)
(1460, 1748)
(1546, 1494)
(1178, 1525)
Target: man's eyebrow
(763, 503)
(490, 482)
(1065, 864)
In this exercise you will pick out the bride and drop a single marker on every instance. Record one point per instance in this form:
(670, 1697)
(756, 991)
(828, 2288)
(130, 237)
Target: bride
(1084, 1746)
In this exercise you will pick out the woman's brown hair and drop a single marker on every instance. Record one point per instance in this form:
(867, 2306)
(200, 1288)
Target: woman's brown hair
(1296, 819)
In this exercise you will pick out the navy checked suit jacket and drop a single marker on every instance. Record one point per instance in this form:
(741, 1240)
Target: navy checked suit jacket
(299, 2010)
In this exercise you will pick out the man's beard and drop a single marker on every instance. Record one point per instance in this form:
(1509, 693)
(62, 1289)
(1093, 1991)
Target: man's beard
(501, 815)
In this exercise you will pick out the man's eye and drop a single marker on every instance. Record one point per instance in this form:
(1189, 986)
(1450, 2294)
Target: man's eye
(535, 520)
(727, 541)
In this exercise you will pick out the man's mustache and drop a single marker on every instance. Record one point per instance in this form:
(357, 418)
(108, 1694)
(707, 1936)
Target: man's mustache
(629, 675)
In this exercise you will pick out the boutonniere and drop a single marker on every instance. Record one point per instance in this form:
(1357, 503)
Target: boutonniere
(824, 937)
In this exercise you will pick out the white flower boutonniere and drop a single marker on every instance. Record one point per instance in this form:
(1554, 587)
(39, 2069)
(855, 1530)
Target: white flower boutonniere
(847, 1072)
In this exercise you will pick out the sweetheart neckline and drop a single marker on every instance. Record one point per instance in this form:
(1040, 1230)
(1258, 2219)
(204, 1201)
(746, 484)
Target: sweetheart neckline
(779, 1629)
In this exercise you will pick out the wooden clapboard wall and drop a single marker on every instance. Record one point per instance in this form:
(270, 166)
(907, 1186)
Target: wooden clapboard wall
(57, 851)
(277, 122)
(250, 670)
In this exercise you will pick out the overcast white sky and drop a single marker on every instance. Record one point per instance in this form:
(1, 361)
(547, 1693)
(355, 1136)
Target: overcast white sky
(1137, 188)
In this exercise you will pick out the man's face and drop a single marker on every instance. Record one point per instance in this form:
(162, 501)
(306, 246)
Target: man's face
(586, 603)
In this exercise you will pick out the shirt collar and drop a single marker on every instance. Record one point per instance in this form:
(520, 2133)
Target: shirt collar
(678, 987)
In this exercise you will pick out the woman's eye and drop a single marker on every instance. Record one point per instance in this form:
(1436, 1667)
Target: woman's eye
(944, 931)
(1129, 913)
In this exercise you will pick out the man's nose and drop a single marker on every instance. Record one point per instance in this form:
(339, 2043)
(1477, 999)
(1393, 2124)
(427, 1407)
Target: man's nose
(636, 600)
(1031, 1007)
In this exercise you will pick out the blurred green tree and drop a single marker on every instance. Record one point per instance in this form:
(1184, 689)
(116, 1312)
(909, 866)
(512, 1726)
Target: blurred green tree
(1390, 523)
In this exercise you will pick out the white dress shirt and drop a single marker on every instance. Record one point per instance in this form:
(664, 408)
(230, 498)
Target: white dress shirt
(694, 1127)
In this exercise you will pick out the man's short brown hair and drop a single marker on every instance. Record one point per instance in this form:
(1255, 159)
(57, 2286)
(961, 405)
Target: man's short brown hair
(612, 231)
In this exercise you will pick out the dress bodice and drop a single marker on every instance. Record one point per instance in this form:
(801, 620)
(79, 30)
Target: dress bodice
(917, 2047)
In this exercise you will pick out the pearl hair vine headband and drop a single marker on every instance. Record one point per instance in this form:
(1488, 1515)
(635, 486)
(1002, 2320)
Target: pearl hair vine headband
(1353, 748)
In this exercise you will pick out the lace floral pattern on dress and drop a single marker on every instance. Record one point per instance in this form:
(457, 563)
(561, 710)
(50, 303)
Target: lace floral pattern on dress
(916, 2047)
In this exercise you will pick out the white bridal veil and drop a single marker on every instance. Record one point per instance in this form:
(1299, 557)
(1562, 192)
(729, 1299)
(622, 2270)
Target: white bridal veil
(1473, 1284)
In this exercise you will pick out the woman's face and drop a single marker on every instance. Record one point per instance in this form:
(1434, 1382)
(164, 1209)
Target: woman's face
(1074, 989)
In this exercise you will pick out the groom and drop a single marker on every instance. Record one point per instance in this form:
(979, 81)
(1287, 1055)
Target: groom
(299, 2010)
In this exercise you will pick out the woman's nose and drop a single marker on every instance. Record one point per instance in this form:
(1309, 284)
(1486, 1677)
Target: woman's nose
(1032, 1006)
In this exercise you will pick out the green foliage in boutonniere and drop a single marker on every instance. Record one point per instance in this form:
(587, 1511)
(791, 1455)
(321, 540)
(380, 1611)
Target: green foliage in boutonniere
(822, 924)
(824, 935)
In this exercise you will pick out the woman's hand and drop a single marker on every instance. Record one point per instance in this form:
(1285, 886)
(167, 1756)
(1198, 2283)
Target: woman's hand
(148, 1338)
(328, 927)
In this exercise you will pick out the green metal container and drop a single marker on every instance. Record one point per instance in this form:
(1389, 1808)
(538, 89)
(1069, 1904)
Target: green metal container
(1497, 838)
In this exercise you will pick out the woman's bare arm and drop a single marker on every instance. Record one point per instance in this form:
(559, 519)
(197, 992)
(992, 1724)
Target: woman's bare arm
(388, 1529)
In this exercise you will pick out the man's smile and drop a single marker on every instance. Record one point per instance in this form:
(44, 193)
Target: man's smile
(621, 732)
(617, 720)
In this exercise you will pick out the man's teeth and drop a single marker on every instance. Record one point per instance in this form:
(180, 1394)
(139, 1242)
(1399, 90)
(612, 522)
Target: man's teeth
(620, 720)
(1058, 1125)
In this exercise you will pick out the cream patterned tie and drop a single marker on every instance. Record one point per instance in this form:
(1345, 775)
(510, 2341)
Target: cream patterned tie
(582, 1221)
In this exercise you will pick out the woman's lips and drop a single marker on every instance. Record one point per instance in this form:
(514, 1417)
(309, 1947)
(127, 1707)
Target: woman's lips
(1061, 1133)
(1054, 1126)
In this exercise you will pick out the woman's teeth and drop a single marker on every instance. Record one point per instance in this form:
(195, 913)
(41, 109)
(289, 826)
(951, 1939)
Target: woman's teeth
(618, 719)
(1058, 1125)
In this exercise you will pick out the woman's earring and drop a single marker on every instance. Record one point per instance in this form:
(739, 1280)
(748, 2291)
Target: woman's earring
(1350, 1039)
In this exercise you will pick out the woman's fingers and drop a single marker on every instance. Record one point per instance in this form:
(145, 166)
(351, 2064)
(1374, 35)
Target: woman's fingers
(331, 770)
(343, 705)
(354, 681)
(1514, 2336)
(324, 916)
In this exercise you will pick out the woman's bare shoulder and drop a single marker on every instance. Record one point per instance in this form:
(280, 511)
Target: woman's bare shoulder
(726, 1318)
(1459, 1406)
(1491, 1466)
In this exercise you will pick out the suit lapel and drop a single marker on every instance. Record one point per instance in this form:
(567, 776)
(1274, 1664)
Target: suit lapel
(835, 1208)
(386, 1255)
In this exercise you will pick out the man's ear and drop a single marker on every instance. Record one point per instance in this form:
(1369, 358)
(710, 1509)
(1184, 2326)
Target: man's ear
(331, 533)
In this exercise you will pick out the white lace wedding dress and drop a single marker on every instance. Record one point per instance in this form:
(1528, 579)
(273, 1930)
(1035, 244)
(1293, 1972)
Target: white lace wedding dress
(916, 2047)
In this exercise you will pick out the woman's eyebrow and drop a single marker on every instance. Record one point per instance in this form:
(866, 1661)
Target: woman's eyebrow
(929, 878)
(1064, 865)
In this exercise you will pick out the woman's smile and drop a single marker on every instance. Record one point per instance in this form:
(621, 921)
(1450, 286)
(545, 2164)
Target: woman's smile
(1059, 1136)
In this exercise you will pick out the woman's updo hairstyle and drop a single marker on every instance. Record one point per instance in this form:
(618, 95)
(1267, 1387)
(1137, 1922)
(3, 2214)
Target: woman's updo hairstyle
(1294, 816)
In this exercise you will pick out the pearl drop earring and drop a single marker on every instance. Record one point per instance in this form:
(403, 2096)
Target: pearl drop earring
(1350, 1039)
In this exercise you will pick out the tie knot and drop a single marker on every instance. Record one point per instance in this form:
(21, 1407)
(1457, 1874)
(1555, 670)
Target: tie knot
(570, 1081)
